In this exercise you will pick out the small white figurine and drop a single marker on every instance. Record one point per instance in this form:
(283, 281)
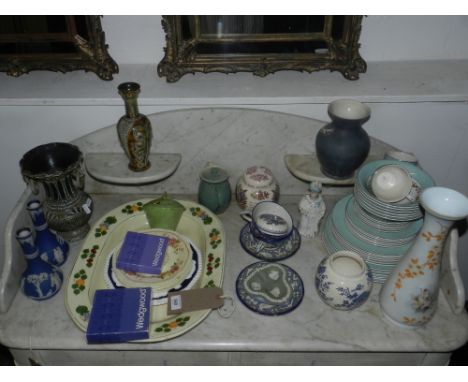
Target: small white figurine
(312, 209)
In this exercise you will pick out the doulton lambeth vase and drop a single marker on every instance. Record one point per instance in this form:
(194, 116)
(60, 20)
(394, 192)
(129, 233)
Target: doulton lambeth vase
(40, 280)
(52, 248)
(343, 145)
(58, 169)
(134, 129)
(409, 295)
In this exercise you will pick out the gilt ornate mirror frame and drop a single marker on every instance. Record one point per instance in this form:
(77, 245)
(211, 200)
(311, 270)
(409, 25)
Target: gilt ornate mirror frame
(84, 48)
(333, 45)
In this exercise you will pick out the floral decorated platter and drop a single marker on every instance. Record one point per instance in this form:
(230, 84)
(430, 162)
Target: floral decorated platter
(199, 250)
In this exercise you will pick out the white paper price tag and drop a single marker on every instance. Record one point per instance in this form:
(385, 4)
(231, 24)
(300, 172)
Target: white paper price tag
(176, 302)
(87, 206)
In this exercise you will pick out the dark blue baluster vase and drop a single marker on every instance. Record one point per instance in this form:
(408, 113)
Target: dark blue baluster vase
(52, 248)
(343, 145)
(40, 280)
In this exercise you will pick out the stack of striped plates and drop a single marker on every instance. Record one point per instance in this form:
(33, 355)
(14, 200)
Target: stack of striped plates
(380, 232)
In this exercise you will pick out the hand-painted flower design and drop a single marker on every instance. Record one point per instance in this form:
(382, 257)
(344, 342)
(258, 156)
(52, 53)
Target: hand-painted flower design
(273, 219)
(89, 255)
(423, 301)
(259, 177)
(130, 209)
(197, 211)
(104, 226)
(215, 238)
(260, 195)
(212, 264)
(80, 281)
(353, 298)
(166, 328)
(83, 311)
(321, 282)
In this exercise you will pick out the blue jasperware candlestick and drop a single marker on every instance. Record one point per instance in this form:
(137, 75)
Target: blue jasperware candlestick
(40, 280)
(52, 248)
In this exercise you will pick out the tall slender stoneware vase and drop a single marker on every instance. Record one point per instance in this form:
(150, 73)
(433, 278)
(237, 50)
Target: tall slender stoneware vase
(343, 145)
(134, 129)
(409, 295)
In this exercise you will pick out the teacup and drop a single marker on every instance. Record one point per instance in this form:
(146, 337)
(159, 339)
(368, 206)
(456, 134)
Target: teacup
(269, 221)
(391, 183)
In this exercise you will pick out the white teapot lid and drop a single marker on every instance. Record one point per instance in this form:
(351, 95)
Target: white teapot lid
(258, 176)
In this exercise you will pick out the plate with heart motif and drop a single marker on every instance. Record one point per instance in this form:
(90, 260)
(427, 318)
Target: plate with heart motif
(271, 289)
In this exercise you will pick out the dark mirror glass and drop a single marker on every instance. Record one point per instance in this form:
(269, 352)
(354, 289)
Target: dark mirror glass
(59, 43)
(261, 44)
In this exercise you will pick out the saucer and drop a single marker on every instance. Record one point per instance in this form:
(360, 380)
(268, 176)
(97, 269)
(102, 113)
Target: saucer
(271, 289)
(262, 250)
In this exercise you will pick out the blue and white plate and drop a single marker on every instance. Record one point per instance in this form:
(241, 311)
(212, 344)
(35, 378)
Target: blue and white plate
(271, 289)
(279, 250)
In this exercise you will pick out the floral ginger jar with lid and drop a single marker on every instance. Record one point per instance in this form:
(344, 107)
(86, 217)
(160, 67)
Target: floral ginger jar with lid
(256, 185)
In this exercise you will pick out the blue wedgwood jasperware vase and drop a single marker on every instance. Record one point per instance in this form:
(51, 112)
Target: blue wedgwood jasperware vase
(40, 280)
(52, 248)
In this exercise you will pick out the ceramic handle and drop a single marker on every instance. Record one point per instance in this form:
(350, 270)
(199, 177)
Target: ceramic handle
(451, 281)
(246, 215)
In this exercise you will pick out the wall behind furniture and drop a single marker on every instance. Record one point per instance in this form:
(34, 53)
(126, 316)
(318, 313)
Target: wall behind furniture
(140, 39)
(41, 107)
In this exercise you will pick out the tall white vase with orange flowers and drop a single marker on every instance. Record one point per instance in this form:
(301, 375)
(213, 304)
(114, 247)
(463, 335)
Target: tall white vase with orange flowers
(409, 295)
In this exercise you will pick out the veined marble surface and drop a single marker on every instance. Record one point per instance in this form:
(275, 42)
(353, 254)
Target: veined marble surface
(312, 327)
(234, 139)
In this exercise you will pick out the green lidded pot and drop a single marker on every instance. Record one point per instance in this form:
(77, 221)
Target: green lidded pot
(214, 190)
(164, 212)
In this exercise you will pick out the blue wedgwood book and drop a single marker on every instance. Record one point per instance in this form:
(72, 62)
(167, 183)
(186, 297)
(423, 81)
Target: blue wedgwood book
(119, 315)
(141, 252)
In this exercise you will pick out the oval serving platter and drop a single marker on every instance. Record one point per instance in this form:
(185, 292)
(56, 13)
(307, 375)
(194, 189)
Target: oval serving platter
(197, 223)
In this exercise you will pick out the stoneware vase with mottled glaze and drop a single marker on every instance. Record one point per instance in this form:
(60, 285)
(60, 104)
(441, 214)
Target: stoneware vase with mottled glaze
(57, 170)
(134, 129)
(409, 295)
(52, 248)
(40, 280)
(343, 145)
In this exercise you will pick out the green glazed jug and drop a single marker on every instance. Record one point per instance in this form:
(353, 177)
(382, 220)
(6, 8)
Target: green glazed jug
(214, 190)
(163, 212)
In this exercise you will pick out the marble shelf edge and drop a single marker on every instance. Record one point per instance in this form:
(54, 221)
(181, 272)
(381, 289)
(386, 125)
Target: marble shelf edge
(112, 168)
(306, 167)
(12, 266)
